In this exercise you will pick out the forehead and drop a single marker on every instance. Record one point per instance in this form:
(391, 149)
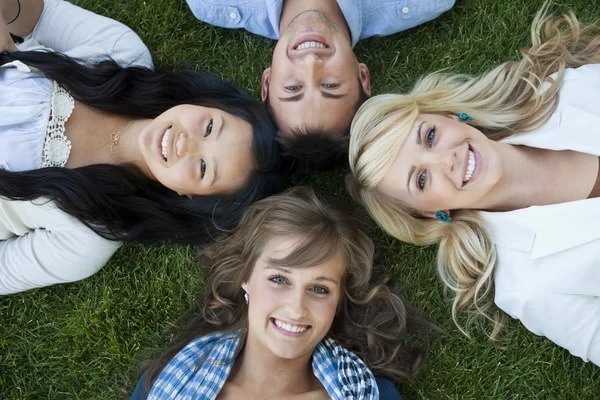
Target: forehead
(280, 247)
(315, 113)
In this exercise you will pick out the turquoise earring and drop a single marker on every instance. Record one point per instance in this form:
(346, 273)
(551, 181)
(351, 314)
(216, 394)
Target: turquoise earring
(464, 117)
(442, 216)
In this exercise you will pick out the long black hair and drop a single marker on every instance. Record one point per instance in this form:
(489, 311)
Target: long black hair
(121, 202)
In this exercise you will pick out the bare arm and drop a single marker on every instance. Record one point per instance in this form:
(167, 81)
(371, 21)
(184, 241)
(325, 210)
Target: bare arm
(6, 42)
(23, 15)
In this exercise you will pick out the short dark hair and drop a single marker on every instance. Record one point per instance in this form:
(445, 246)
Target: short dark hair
(315, 149)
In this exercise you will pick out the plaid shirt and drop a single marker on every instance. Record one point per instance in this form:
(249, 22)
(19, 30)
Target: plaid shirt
(341, 372)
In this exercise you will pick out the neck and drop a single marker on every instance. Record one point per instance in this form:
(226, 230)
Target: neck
(259, 371)
(329, 8)
(534, 176)
(127, 149)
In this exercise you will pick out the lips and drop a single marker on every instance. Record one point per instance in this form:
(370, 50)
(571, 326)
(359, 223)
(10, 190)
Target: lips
(288, 329)
(306, 38)
(472, 166)
(164, 143)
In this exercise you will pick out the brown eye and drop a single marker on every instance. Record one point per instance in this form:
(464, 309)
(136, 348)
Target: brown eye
(209, 128)
(202, 168)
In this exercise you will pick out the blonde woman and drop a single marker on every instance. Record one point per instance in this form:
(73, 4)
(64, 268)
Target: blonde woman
(502, 171)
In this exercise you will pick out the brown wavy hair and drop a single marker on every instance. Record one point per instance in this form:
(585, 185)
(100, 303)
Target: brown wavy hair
(371, 320)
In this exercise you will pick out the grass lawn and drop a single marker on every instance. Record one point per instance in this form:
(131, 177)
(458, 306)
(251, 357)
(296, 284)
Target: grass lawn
(86, 340)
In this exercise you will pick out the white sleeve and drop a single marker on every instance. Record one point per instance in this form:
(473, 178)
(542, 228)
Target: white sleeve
(88, 37)
(570, 321)
(50, 247)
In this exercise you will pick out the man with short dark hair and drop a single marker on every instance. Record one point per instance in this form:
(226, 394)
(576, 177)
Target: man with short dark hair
(315, 84)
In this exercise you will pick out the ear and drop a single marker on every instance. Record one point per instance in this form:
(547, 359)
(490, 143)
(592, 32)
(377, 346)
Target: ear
(189, 196)
(245, 286)
(365, 78)
(431, 214)
(264, 84)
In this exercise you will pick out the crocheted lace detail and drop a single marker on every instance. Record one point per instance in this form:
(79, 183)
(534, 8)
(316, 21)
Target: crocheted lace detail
(57, 147)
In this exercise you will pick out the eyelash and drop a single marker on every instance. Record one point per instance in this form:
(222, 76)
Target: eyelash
(293, 88)
(324, 291)
(422, 177)
(209, 128)
(331, 85)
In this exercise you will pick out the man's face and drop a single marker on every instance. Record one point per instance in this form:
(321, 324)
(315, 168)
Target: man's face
(314, 80)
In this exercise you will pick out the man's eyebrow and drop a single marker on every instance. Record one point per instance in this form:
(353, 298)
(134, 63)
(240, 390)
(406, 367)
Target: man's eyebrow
(328, 95)
(297, 97)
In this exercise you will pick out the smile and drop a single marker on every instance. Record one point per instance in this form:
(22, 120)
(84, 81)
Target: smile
(164, 143)
(473, 165)
(290, 328)
(310, 45)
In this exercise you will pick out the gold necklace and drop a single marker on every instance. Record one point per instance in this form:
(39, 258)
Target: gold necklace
(114, 138)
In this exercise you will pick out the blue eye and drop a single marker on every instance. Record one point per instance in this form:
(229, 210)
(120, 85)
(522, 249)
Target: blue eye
(202, 168)
(209, 128)
(320, 290)
(280, 280)
(430, 137)
(422, 180)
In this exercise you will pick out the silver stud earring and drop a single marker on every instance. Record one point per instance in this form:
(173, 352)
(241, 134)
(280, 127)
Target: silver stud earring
(246, 297)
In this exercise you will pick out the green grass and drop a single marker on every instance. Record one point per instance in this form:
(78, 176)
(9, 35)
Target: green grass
(86, 340)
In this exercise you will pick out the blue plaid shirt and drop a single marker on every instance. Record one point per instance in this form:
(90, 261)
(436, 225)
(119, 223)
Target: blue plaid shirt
(343, 375)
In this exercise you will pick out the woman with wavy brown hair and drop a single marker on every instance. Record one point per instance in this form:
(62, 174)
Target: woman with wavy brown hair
(294, 308)
(502, 171)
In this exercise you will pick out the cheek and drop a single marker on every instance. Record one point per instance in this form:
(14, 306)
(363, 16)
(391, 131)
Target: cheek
(324, 311)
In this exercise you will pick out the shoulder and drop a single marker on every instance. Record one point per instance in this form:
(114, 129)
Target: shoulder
(385, 17)
(256, 16)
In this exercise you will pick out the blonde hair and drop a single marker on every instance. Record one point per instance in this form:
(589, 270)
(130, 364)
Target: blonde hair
(514, 98)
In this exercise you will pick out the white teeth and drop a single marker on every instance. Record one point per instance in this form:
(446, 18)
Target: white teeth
(311, 45)
(164, 142)
(288, 327)
(470, 167)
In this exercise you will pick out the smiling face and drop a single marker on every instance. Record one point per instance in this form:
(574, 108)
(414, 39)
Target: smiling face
(445, 164)
(195, 150)
(291, 310)
(315, 80)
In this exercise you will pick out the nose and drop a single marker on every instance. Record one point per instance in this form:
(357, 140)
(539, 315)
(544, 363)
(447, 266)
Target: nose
(296, 305)
(312, 63)
(446, 160)
(187, 145)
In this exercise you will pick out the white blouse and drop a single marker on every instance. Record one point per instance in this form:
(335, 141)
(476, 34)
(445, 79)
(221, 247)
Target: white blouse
(548, 269)
(39, 244)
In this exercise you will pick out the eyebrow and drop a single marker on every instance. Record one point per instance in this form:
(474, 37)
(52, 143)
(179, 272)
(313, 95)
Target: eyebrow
(318, 278)
(300, 96)
(412, 168)
(215, 165)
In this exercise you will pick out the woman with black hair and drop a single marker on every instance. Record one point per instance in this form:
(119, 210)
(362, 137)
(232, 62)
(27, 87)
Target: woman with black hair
(97, 148)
